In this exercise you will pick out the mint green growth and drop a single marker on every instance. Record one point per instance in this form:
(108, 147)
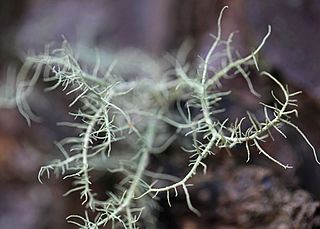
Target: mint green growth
(122, 113)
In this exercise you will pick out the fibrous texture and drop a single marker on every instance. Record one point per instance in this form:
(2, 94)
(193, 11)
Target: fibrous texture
(121, 106)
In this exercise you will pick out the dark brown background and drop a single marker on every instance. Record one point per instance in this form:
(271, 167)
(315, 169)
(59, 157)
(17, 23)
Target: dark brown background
(232, 195)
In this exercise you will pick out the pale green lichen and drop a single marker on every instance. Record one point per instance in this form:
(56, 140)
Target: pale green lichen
(127, 101)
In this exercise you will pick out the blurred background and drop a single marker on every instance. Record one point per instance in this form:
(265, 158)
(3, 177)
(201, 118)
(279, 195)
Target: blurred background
(233, 194)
